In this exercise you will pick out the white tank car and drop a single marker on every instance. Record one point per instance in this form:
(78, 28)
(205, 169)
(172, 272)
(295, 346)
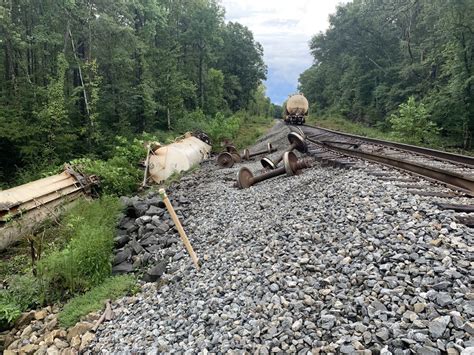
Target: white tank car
(296, 109)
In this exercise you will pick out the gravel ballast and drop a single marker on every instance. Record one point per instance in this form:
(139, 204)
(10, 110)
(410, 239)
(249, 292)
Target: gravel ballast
(331, 261)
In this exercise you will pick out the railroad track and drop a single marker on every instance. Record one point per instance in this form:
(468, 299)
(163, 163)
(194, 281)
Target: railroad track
(346, 150)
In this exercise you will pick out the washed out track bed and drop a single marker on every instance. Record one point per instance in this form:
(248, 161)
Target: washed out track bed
(329, 261)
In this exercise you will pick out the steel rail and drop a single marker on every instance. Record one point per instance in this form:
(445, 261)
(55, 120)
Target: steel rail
(444, 156)
(452, 179)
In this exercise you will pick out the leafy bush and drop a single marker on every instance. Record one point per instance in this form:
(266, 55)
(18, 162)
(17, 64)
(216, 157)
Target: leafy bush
(250, 130)
(94, 299)
(191, 121)
(120, 174)
(24, 292)
(412, 124)
(86, 260)
(218, 127)
(221, 127)
(84, 263)
(9, 311)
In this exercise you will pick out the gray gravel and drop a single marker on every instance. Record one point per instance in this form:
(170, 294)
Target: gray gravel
(331, 260)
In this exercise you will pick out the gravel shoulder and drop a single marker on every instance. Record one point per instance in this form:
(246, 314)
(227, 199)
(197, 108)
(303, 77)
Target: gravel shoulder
(331, 261)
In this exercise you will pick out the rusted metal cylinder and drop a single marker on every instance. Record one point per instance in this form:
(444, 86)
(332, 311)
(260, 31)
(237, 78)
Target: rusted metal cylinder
(231, 155)
(292, 165)
(297, 142)
(247, 155)
(178, 156)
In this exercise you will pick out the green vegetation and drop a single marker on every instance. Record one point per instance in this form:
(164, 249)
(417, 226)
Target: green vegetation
(86, 260)
(412, 124)
(9, 312)
(376, 55)
(173, 67)
(78, 264)
(251, 129)
(342, 124)
(15, 261)
(121, 173)
(339, 123)
(171, 63)
(23, 293)
(94, 299)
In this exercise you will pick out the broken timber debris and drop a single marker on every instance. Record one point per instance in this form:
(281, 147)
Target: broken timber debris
(23, 207)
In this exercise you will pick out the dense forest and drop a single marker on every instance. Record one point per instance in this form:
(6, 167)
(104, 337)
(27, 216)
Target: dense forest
(76, 73)
(378, 56)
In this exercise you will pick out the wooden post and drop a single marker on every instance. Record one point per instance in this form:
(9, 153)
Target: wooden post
(178, 225)
(145, 175)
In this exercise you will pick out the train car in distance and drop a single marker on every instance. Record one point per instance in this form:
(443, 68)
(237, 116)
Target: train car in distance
(296, 109)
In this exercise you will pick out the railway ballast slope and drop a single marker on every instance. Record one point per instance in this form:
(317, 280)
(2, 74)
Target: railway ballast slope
(331, 260)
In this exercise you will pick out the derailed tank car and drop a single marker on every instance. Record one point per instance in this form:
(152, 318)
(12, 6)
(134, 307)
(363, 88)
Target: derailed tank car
(296, 109)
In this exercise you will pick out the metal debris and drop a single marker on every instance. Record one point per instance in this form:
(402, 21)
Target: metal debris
(23, 207)
(291, 166)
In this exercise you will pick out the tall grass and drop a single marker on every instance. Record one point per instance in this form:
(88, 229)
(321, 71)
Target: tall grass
(81, 265)
(86, 260)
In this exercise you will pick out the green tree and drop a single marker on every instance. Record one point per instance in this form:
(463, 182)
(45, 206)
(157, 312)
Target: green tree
(242, 63)
(377, 54)
(52, 116)
(78, 73)
(215, 92)
(413, 124)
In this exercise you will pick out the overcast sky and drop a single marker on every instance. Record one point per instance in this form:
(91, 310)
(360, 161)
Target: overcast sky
(284, 28)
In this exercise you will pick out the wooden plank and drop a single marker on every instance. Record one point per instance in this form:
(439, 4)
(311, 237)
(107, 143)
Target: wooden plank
(178, 225)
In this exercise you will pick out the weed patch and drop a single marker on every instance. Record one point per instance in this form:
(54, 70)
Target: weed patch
(94, 299)
(86, 260)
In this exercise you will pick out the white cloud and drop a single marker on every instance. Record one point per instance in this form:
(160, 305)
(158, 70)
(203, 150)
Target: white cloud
(284, 28)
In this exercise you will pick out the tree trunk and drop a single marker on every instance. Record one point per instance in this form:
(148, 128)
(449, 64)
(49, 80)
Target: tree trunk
(201, 80)
(90, 124)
